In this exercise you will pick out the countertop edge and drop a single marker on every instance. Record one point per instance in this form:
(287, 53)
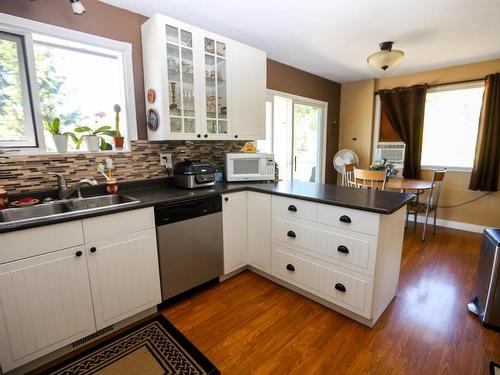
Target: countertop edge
(11, 227)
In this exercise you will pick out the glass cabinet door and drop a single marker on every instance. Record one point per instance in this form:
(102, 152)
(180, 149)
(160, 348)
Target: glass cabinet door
(215, 87)
(180, 68)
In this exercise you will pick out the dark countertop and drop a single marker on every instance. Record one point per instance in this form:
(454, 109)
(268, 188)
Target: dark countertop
(159, 191)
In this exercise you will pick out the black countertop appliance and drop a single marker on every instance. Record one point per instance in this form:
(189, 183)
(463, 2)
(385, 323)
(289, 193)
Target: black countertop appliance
(194, 173)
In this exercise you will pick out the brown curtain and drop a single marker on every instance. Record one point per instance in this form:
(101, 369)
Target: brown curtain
(484, 174)
(404, 107)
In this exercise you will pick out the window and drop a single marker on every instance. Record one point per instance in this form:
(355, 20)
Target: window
(16, 121)
(450, 125)
(48, 72)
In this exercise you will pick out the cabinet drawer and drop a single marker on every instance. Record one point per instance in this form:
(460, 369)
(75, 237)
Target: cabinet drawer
(294, 207)
(346, 218)
(356, 251)
(352, 292)
(41, 240)
(113, 225)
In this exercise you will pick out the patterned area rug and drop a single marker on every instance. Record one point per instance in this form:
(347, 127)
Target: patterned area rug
(152, 347)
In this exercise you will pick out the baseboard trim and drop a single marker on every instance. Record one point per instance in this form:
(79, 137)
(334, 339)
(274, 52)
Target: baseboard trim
(450, 224)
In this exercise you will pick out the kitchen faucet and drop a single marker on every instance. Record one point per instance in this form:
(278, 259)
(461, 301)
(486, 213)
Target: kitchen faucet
(66, 191)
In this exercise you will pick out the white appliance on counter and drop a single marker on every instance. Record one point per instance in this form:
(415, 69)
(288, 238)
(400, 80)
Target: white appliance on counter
(249, 166)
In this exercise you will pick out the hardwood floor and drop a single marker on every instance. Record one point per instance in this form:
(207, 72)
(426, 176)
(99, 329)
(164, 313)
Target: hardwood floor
(249, 325)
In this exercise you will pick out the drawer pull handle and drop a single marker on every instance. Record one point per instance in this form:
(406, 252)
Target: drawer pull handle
(93, 249)
(291, 234)
(78, 253)
(340, 287)
(343, 249)
(345, 219)
(290, 267)
(292, 208)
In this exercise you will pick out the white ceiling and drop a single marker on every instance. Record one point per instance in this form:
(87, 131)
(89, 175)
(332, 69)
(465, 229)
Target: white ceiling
(332, 38)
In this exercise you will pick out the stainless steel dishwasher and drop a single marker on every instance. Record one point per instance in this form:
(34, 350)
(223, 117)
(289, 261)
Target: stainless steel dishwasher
(189, 244)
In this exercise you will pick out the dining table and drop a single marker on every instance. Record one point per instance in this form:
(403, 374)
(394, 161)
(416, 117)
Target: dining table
(408, 185)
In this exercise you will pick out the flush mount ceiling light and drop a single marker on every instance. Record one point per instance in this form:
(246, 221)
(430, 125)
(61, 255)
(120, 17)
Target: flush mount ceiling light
(78, 8)
(386, 58)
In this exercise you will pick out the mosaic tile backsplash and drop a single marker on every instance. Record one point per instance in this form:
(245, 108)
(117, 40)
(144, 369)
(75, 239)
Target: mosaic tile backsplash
(23, 173)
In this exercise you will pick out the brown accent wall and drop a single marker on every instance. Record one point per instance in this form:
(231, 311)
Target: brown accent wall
(285, 78)
(455, 190)
(100, 19)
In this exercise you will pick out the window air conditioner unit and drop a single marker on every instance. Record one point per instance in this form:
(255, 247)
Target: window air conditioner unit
(394, 152)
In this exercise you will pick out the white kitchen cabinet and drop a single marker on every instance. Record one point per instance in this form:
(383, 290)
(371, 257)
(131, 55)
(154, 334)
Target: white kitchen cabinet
(248, 91)
(62, 282)
(123, 275)
(259, 230)
(207, 86)
(45, 303)
(234, 220)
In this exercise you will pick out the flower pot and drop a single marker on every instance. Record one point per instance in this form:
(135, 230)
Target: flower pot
(92, 143)
(61, 142)
(118, 141)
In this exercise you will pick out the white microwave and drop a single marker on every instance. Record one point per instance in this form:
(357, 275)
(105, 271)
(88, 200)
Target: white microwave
(249, 167)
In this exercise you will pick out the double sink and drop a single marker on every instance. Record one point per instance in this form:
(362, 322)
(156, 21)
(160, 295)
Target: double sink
(64, 207)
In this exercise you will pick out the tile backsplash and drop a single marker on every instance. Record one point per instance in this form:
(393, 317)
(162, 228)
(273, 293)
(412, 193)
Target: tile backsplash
(23, 173)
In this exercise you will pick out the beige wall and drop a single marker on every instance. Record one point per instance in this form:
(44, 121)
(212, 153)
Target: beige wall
(354, 100)
(356, 112)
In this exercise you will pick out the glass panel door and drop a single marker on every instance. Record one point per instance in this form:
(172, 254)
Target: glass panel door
(215, 86)
(306, 141)
(180, 67)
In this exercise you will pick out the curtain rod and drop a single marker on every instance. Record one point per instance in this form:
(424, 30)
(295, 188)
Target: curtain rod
(443, 84)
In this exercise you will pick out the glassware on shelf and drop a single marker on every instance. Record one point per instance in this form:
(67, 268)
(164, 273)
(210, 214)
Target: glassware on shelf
(209, 46)
(173, 95)
(186, 39)
(221, 49)
(172, 34)
(175, 124)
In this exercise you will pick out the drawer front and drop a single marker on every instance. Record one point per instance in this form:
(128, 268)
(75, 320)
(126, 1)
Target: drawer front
(41, 240)
(113, 225)
(294, 208)
(346, 218)
(349, 249)
(335, 285)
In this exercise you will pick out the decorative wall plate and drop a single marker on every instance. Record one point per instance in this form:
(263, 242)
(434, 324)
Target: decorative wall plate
(152, 120)
(151, 96)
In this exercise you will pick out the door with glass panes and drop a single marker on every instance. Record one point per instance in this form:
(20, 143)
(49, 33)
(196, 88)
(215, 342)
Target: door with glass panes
(182, 90)
(216, 123)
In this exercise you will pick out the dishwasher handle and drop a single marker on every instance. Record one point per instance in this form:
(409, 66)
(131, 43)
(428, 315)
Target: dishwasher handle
(175, 212)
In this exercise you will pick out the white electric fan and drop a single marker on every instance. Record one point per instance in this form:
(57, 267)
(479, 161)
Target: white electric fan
(343, 157)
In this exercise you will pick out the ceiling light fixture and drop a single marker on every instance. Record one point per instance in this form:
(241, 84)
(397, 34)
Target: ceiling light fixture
(78, 8)
(386, 58)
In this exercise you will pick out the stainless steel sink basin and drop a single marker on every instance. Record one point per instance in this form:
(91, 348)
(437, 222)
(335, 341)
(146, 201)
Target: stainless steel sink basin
(64, 207)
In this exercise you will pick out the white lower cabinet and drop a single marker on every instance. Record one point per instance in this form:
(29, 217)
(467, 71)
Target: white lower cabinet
(259, 230)
(123, 275)
(50, 298)
(235, 224)
(45, 304)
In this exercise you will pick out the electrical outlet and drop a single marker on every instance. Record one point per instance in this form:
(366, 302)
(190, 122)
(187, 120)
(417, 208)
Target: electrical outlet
(166, 160)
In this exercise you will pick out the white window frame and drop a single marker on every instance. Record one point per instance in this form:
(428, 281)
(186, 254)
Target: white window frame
(322, 123)
(446, 87)
(22, 26)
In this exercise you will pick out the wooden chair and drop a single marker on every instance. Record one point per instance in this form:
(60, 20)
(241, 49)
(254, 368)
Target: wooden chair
(348, 175)
(365, 178)
(415, 208)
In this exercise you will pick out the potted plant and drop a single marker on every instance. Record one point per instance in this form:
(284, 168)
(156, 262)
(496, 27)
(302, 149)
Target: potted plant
(60, 139)
(93, 138)
(381, 165)
(118, 139)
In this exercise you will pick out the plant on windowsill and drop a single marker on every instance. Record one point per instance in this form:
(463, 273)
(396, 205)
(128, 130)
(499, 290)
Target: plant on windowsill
(60, 139)
(380, 165)
(118, 138)
(94, 139)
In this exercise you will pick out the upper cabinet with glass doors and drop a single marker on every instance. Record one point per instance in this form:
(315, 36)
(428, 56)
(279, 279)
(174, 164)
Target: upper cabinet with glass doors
(200, 85)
